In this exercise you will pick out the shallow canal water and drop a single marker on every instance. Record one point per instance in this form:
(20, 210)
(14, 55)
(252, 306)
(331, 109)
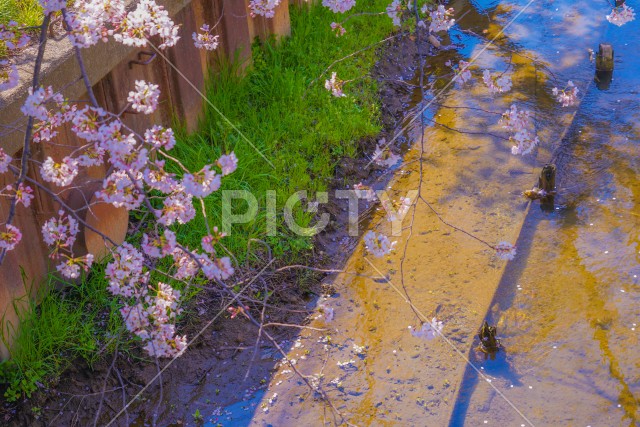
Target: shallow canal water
(566, 308)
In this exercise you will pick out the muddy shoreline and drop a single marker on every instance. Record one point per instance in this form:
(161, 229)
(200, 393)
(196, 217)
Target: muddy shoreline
(219, 368)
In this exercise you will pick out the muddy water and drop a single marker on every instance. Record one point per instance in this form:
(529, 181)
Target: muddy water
(566, 308)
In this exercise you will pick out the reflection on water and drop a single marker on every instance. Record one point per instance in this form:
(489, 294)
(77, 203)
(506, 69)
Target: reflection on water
(568, 312)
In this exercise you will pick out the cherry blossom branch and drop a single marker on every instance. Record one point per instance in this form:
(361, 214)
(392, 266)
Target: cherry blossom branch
(83, 70)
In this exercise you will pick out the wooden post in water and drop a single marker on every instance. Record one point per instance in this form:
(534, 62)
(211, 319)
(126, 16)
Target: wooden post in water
(604, 60)
(604, 66)
(547, 182)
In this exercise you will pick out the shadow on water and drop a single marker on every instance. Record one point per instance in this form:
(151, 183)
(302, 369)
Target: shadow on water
(500, 367)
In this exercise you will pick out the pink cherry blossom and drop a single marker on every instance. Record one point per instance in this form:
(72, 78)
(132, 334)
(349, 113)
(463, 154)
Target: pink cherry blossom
(187, 264)
(210, 240)
(160, 246)
(228, 163)
(60, 233)
(440, 19)
(334, 85)
(85, 124)
(145, 98)
(118, 190)
(126, 267)
(160, 137)
(394, 11)
(5, 160)
(621, 15)
(71, 267)
(9, 77)
(519, 123)
(568, 96)
(505, 250)
(205, 40)
(339, 6)
(157, 178)
(92, 155)
(9, 237)
(496, 83)
(264, 8)
(148, 19)
(178, 207)
(378, 245)
(24, 194)
(338, 29)
(61, 174)
(50, 6)
(35, 103)
(201, 184)
(428, 330)
(12, 37)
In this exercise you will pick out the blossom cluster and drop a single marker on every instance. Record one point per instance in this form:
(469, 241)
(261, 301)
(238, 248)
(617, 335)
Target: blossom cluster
(339, 6)
(428, 330)
(464, 74)
(9, 237)
(145, 98)
(505, 250)
(9, 76)
(378, 245)
(266, 8)
(621, 15)
(441, 19)
(394, 11)
(567, 96)
(338, 29)
(22, 194)
(205, 40)
(496, 83)
(520, 125)
(149, 311)
(60, 235)
(93, 21)
(334, 85)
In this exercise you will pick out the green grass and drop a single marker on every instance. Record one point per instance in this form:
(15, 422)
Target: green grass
(302, 130)
(62, 327)
(24, 12)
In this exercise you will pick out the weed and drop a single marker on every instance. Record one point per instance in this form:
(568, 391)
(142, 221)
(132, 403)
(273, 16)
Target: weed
(197, 416)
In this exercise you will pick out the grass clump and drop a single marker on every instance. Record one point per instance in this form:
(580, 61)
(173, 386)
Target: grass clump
(299, 127)
(302, 130)
(63, 326)
(24, 12)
